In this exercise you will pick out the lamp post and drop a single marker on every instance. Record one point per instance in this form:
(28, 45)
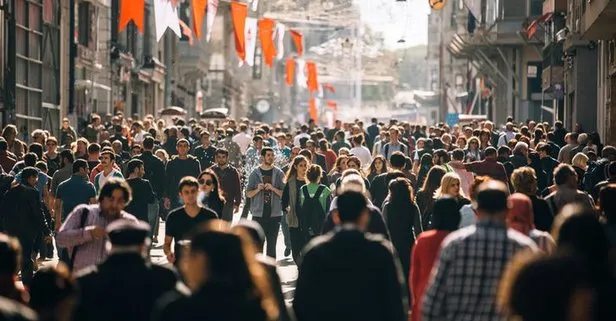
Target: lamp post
(8, 112)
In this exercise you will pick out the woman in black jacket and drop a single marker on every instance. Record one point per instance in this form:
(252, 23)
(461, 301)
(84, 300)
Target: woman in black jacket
(211, 193)
(425, 196)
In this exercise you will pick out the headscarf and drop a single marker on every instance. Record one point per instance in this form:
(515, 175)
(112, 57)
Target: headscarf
(520, 216)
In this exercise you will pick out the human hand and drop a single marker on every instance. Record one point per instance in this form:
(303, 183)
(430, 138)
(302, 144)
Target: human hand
(268, 187)
(260, 187)
(166, 203)
(171, 257)
(98, 232)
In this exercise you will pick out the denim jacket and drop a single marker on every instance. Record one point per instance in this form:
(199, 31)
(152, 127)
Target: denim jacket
(256, 203)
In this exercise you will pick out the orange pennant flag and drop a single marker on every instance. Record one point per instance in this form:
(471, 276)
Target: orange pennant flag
(298, 40)
(312, 82)
(332, 104)
(290, 71)
(198, 8)
(312, 109)
(131, 10)
(239, 11)
(329, 88)
(266, 36)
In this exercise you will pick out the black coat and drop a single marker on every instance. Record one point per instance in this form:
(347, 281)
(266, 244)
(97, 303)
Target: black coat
(154, 172)
(123, 287)
(350, 275)
(21, 213)
(376, 225)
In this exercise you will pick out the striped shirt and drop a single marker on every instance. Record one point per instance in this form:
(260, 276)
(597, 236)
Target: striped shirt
(90, 251)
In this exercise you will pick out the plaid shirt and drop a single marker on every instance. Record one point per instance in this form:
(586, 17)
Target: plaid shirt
(466, 276)
(91, 251)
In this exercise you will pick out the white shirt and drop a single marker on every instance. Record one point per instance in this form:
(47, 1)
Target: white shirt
(243, 140)
(139, 137)
(363, 153)
(298, 137)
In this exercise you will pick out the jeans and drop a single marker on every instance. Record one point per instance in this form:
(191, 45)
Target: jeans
(153, 209)
(27, 264)
(298, 241)
(246, 208)
(227, 212)
(285, 231)
(271, 226)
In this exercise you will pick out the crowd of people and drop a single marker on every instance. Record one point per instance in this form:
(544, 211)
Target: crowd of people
(386, 221)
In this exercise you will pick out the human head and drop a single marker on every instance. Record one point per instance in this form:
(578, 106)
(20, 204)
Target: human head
(188, 190)
(491, 201)
(609, 152)
(524, 180)
(10, 255)
(53, 293)
(607, 206)
(29, 175)
(30, 159)
(354, 162)
(209, 182)
(352, 208)
(577, 229)
(107, 159)
(446, 215)
(450, 185)
(222, 157)
(440, 157)
(565, 175)
(457, 155)
(400, 191)
(378, 165)
(433, 179)
(135, 167)
(80, 167)
(113, 197)
(182, 146)
(267, 156)
(148, 143)
(136, 150)
(37, 149)
(580, 160)
(397, 160)
(520, 215)
(314, 174)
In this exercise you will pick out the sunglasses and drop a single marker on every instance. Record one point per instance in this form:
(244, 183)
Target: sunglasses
(204, 182)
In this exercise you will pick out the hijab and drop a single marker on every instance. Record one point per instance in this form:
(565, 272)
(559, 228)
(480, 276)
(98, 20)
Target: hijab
(520, 216)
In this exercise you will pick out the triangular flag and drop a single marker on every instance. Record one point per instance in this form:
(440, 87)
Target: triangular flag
(298, 41)
(313, 83)
(266, 35)
(280, 31)
(329, 88)
(290, 68)
(198, 9)
(166, 16)
(131, 10)
(212, 7)
(312, 109)
(332, 104)
(239, 11)
(301, 73)
(250, 39)
(255, 5)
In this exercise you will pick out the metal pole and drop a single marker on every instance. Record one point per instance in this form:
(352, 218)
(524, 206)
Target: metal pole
(72, 51)
(8, 114)
(168, 49)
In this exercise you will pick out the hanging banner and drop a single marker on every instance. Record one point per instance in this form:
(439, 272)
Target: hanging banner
(166, 16)
(332, 104)
(198, 10)
(302, 81)
(255, 5)
(250, 40)
(312, 109)
(329, 88)
(212, 8)
(266, 37)
(298, 41)
(239, 11)
(281, 29)
(131, 10)
(313, 83)
(290, 71)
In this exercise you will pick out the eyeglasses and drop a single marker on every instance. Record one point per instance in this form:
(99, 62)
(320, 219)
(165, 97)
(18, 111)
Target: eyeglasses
(205, 182)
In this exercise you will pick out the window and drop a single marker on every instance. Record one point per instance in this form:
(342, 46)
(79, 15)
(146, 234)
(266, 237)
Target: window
(460, 5)
(86, 25)
(131, 39)
(147, 31)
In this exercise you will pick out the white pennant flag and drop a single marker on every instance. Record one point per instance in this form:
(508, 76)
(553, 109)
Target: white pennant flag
(255, 5)
(166, 16)
(301, 73)
(212, 7)
(250, 40)
(280, 32)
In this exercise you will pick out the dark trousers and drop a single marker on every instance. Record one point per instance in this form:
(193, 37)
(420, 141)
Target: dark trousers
(27, 264)
(270, 226)
(246, 208)
(298, 241)
(227, 212)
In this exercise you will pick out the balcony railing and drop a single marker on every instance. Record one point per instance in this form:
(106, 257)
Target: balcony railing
(599, 20)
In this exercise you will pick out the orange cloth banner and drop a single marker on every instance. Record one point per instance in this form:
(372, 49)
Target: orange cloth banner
(313, 83)
(298, 40)
(198, 9)
(329, 88)
(266, 36)
(131, 10)
(290, 71)
(239, 11)
(332, 104)
(312, 109)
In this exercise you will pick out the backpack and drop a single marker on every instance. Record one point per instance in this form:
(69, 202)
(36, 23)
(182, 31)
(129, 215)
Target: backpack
(402, 149)
(312, 212)
(594, 176)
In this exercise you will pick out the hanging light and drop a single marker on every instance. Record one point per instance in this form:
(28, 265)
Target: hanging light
(437, 4)
(401, 40)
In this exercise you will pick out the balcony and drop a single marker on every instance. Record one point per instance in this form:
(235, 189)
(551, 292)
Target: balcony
(552, 76)
(192, 60)
(599, 20)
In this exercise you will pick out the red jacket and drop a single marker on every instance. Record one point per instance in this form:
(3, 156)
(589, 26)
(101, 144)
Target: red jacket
(424, 254)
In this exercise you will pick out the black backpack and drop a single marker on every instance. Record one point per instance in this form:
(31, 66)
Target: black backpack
(312, 213)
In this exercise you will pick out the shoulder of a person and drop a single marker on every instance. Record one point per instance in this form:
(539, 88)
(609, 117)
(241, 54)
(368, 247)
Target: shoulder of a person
(209, 212)
(316, 244)
(521, 239)
(459, 236)
(128, 216)
(86, 274)
(13, 310)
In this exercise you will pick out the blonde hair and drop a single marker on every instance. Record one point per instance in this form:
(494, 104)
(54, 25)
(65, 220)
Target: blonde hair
(446, 182)
(580, 160)
(524, 180)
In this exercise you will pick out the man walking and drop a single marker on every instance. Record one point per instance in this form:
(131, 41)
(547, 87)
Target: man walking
(177, 168)
(143, 195)
(229, 179)
(472, 260)
(107, 161)
(84, 232)
(338, 267)
(22, 216)
(265, 187)
(206, 152)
